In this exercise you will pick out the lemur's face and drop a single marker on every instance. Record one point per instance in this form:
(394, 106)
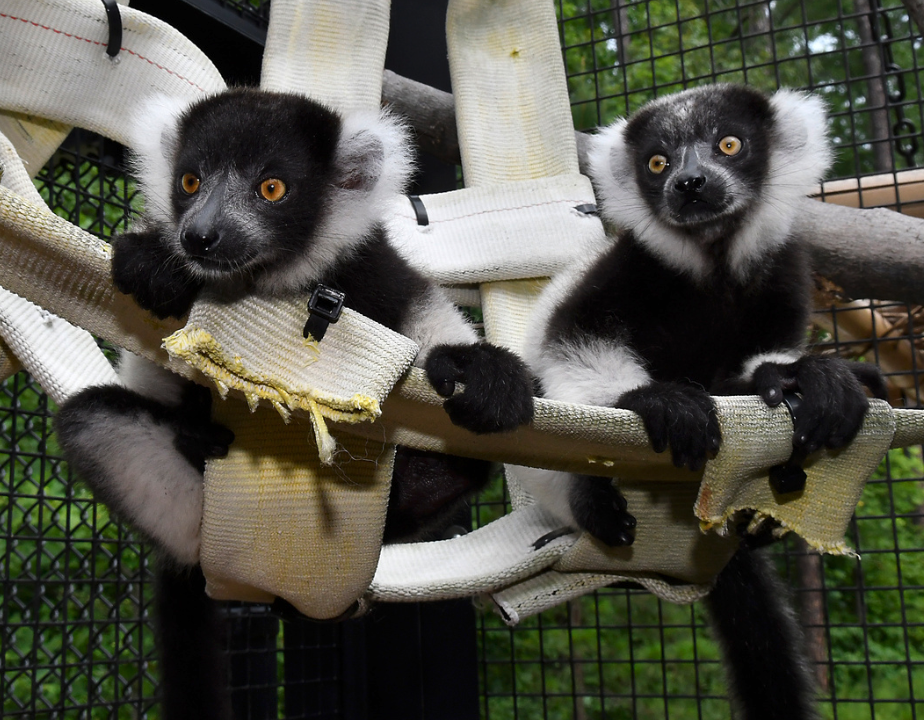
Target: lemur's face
(700, 159)
(249, 183)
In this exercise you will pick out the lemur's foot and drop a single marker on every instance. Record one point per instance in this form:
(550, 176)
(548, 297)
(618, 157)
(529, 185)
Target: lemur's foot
(600, 509)
(197, 437)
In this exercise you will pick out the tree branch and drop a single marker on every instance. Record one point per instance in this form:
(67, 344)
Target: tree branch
(874, 253)
(431, 112)
(915, 10)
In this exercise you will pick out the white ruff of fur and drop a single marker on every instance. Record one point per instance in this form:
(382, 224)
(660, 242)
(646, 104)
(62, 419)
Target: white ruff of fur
(800, 157)
(153, 142)
(353, 213)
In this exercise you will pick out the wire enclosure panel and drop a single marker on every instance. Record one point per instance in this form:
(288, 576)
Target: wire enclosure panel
(76, 640)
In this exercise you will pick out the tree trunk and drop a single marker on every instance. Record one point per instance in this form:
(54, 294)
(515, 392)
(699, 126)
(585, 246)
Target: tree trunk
(620, 14)
(875, 87)
(915, 10)
(812, 610)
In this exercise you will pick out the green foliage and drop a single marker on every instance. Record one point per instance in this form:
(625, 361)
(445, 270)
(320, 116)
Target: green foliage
(666, 47)
(74, 621)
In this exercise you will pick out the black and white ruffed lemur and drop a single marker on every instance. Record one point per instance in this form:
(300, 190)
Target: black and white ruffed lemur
(704, 290)
(250, 191)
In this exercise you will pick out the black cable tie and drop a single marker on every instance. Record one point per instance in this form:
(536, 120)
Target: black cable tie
(790, 477)
(115, 27)
(420, 210)
(793, 403)
(550, 536)
(587, 209)
(324, 308)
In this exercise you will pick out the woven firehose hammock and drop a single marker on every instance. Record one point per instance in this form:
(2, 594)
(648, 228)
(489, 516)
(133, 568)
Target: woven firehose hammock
(277, 521)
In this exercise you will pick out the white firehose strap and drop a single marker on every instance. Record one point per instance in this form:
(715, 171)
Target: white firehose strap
(36, 337)
(530, 228)
(55, 64)
(333, 52)
(36, 138)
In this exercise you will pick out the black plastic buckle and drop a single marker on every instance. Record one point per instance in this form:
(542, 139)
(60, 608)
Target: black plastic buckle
(790, 477)
(115, 27)
(324, 308)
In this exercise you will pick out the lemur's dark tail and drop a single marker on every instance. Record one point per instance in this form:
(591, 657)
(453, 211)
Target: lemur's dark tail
(193, 664)
(768, 673)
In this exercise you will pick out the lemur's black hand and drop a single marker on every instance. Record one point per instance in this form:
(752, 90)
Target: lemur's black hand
(679, 416)
(143, 267)
(498, 394)
(833, 401)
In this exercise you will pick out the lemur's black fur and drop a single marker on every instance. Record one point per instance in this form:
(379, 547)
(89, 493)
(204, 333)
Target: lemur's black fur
(250, 191)
(705, 291)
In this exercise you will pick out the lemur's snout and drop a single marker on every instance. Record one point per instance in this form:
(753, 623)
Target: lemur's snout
(199, 242)
(692, 177)
(688, 184)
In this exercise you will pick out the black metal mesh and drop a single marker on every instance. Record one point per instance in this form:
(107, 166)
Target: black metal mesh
(256, 11)
(76, 640)
(76, 632)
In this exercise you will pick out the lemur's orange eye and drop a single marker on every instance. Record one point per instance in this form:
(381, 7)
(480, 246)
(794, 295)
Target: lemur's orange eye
(658, 164)
(190, 183)
(272, 189)
(730, 145)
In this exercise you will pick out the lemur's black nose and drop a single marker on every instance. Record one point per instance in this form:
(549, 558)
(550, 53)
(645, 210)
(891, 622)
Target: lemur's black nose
(198, 243)
(689, 184)
(691, 178)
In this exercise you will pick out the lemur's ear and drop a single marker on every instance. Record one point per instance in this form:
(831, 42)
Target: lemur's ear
(373, 155)
(153, 138)
(801, 144)
(360, 159)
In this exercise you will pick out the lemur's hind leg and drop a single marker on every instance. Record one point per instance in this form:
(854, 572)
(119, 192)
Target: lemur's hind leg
(600, 509)
(145, 459)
